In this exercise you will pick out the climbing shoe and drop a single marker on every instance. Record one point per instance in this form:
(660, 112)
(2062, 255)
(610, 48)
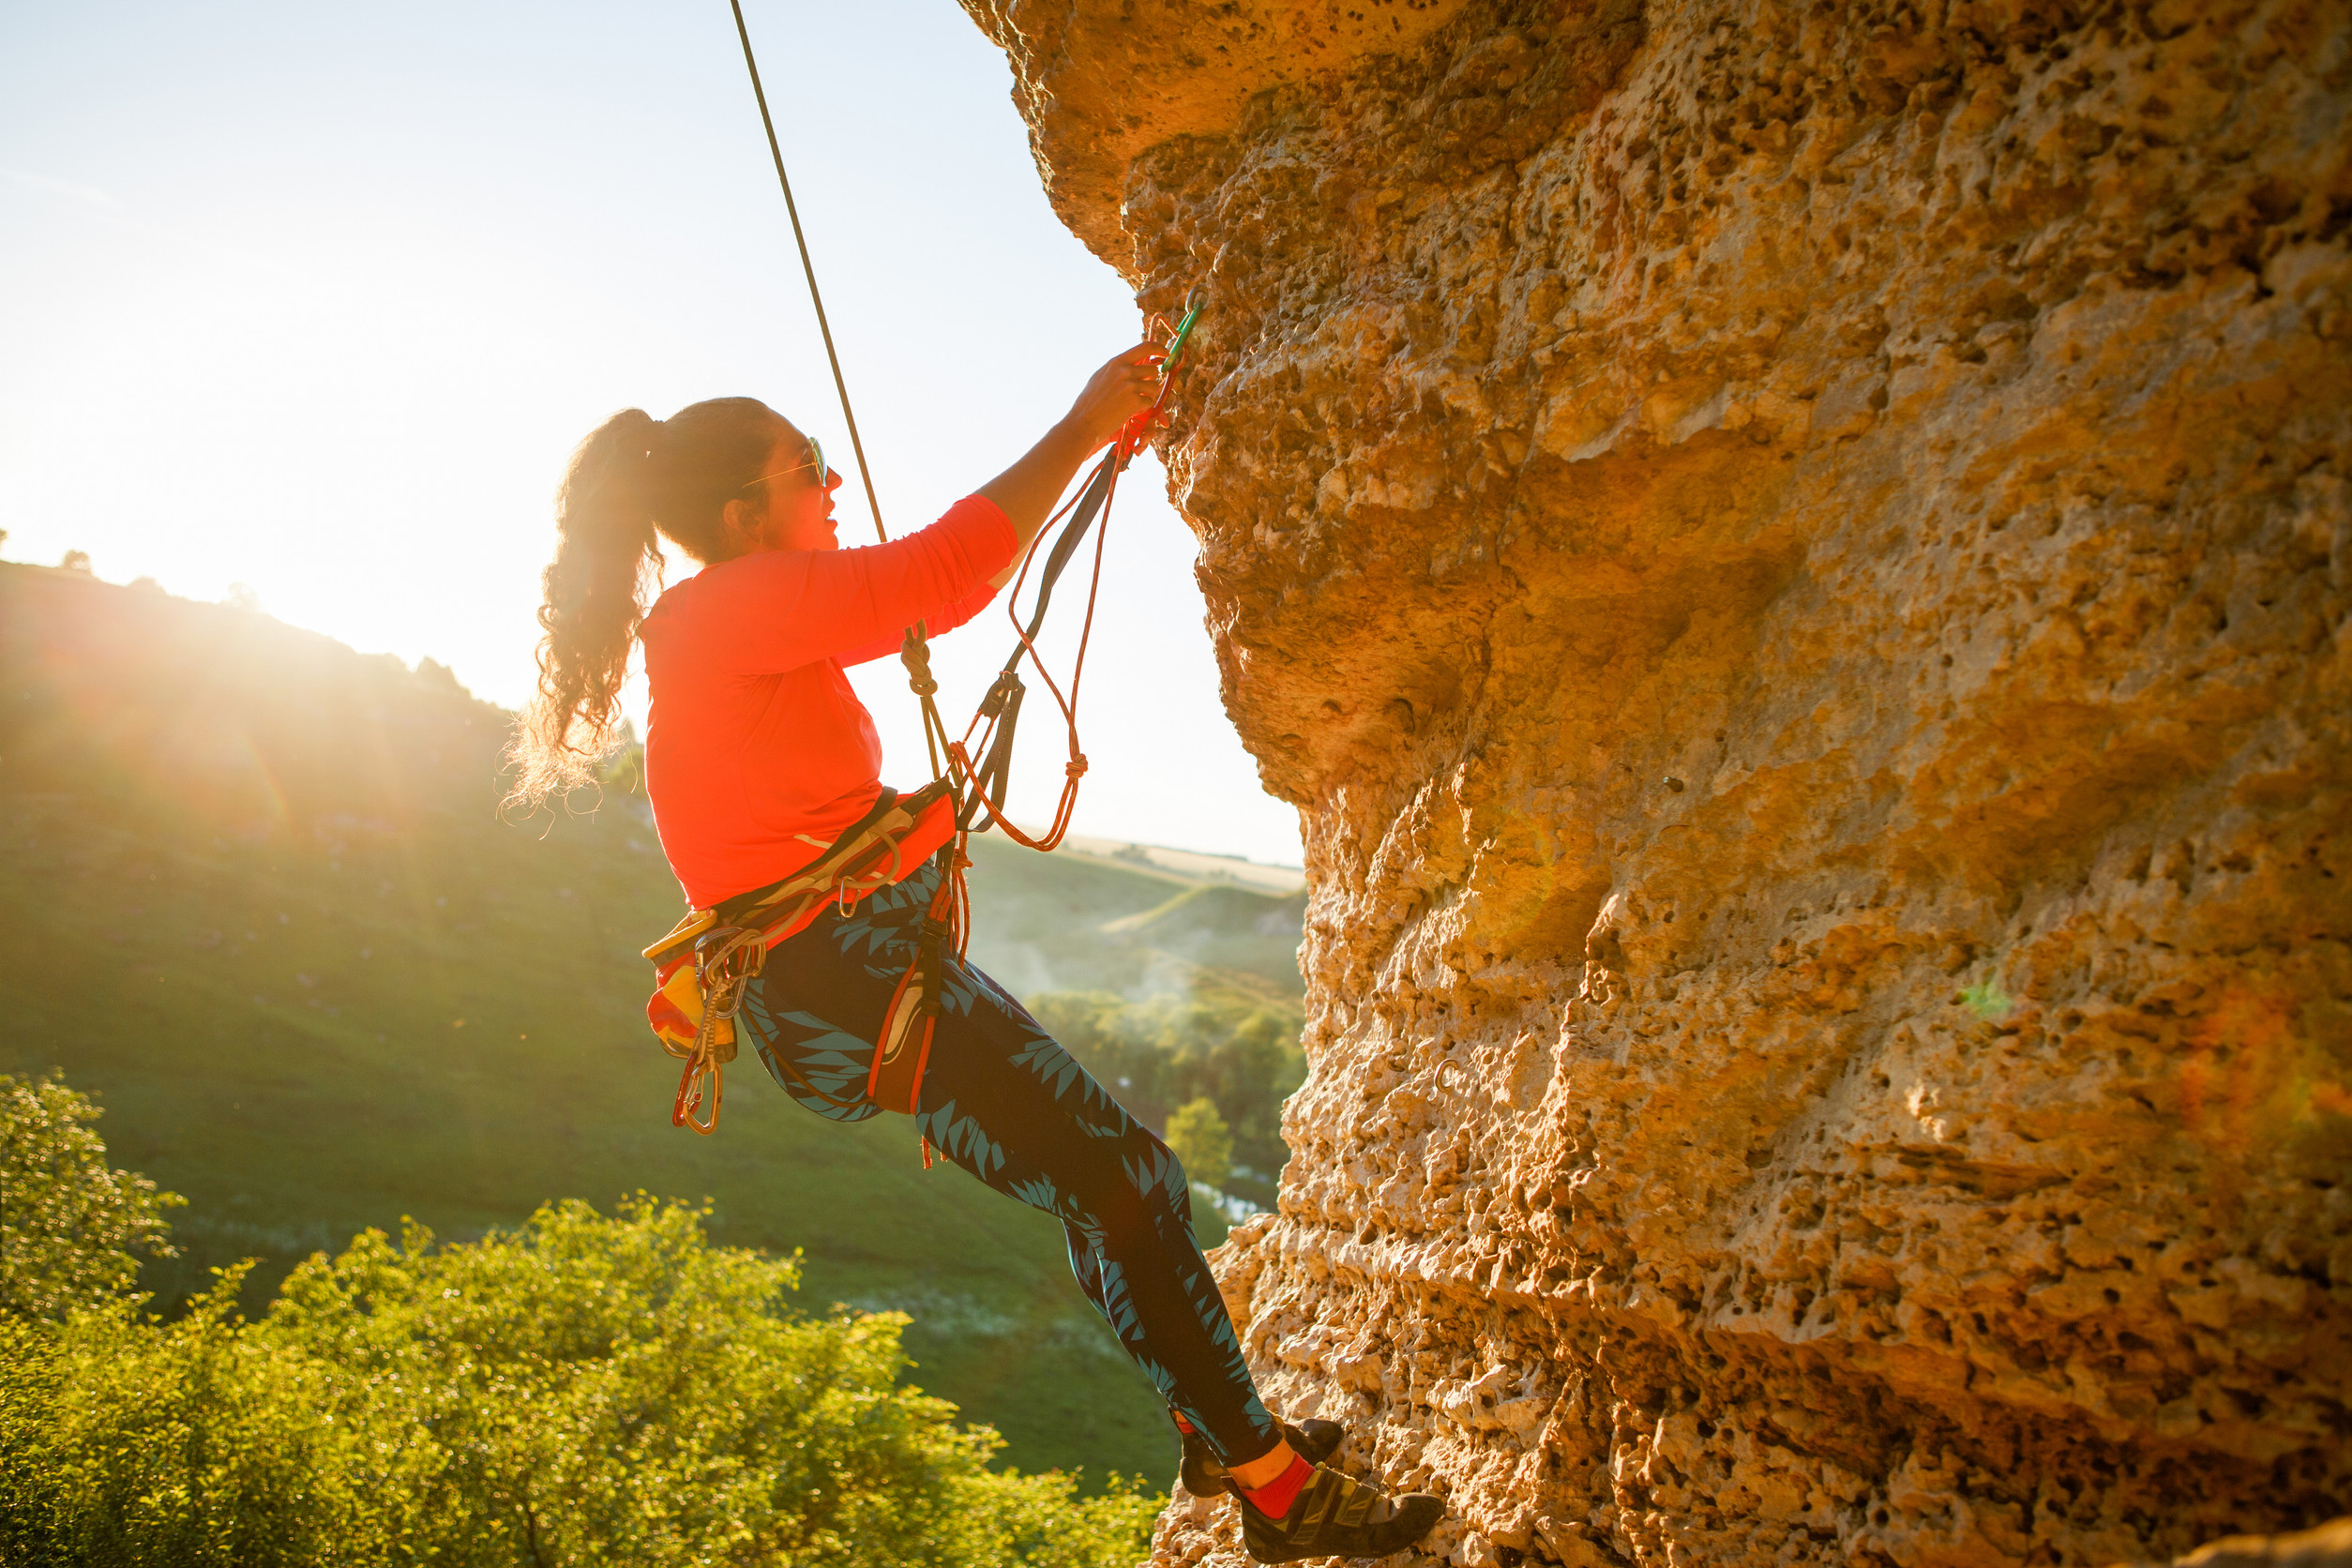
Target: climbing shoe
(1204, 1474)
(1334, 1517)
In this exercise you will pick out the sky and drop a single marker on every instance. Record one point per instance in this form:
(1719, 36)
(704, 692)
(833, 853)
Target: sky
(317, 299)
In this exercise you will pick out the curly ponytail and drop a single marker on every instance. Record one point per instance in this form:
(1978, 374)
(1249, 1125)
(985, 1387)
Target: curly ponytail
(595, 598)
(634, 474)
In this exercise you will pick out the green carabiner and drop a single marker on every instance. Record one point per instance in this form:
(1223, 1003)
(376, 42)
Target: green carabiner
(1184, 331)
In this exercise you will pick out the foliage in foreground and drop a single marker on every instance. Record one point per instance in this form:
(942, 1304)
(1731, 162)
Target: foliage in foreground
(71, 1228)
(582, 1390)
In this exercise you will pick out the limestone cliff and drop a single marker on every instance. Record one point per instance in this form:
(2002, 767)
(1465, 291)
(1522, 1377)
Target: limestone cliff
(1795, 559)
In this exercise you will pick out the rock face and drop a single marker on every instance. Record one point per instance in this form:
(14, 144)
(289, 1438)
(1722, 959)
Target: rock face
(1795, 560)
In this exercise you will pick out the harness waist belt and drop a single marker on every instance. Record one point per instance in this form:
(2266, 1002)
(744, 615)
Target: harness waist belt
(701, 965)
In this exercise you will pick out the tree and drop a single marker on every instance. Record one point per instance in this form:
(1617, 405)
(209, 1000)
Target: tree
(70, 1227)
(581, 1390)
(1202, 1141)
(1162, 1052)
(76, 561)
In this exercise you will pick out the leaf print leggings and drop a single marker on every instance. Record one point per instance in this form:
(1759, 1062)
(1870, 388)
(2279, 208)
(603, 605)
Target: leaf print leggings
(1001, 1099)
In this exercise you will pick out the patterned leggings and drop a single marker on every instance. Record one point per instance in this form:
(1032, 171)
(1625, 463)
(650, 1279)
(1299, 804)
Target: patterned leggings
(1006, 1103)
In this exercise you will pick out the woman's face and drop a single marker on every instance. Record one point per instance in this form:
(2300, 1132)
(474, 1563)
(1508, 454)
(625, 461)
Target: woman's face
(799, 490)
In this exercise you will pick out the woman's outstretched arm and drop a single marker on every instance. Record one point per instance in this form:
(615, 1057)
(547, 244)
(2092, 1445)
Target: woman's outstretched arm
(1115, 394)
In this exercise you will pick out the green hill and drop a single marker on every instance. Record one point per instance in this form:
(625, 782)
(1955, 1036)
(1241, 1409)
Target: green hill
(1228, 928)
(256, 895)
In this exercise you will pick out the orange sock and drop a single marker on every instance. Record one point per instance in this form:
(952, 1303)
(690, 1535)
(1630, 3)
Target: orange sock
(1274, 1499)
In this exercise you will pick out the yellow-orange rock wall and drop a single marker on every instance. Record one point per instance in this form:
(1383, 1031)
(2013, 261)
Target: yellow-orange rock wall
(1795, 561)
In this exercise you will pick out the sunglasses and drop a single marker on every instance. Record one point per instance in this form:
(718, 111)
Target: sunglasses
(815, 459)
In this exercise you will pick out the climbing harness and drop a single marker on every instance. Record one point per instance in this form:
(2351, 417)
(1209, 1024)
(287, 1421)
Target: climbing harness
(703, 965)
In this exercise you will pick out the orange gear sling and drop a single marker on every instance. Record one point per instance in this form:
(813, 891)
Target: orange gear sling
(703, 964)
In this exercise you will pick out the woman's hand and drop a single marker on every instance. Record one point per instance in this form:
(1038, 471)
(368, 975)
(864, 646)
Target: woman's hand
(1122, 389)
(1127, 384)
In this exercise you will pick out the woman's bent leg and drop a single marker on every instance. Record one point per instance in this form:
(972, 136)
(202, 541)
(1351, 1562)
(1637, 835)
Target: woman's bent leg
(1003, 1100)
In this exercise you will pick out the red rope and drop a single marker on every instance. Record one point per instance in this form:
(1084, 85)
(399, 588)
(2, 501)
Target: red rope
(1129, 442)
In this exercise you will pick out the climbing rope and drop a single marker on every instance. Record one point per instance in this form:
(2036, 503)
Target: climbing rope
(916, 653)
(981, 786)
(1000, 710)
(808, 269)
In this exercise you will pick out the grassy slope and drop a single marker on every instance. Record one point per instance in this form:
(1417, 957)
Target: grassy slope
(1232, 929)
(255, 896)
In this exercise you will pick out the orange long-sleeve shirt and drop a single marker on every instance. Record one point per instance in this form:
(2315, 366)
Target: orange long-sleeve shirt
(758, 753)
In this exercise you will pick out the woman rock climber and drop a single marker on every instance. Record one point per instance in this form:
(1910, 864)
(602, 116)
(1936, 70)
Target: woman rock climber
(758, 755)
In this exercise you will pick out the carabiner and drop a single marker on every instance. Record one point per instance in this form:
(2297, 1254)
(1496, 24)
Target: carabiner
(1183, 334)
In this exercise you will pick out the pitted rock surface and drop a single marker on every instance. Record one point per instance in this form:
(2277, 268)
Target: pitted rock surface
(1795, 561)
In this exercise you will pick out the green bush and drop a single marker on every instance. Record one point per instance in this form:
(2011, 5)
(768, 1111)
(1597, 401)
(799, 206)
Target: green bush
(582, 1390)
(71, 1228)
